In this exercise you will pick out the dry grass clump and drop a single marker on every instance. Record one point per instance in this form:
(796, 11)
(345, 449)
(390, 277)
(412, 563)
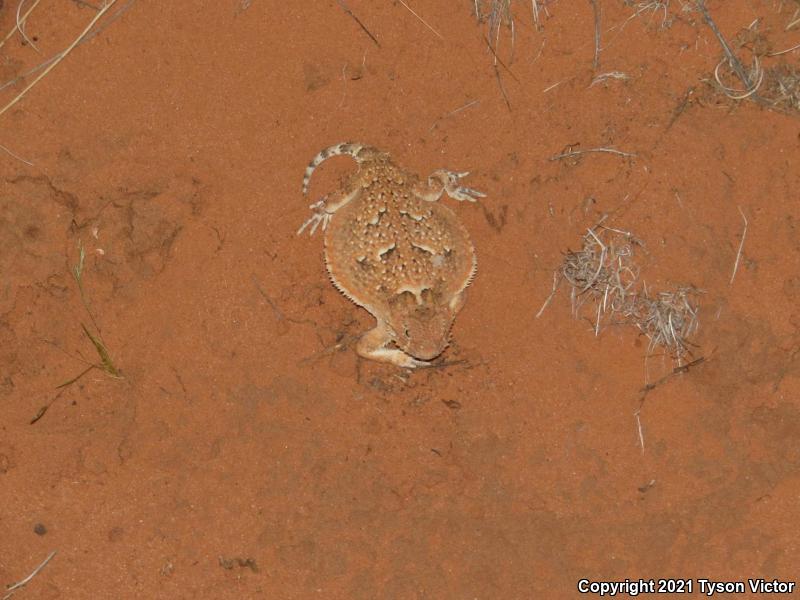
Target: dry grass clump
(668, 320)
(604, 274)
(782, 87)
(498, 12)
(650, 8)
(663, 12)
(601, 272)
(776, 87)
(495, 12)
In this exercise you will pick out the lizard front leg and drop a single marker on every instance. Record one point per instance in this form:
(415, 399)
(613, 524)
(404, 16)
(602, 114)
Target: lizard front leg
(446, 181)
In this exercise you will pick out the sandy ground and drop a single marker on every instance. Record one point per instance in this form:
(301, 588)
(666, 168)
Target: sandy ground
(247, 452)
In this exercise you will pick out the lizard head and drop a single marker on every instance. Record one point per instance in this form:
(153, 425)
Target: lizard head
(421, 325)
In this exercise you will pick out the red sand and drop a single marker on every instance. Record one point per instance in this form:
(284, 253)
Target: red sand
(245, 454)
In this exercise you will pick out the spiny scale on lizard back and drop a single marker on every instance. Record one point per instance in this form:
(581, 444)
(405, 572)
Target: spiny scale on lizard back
(390, 241)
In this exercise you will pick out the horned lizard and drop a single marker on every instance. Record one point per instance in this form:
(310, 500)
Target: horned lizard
(391, 248)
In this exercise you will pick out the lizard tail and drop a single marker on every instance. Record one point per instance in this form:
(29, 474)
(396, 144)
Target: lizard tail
(351, 149)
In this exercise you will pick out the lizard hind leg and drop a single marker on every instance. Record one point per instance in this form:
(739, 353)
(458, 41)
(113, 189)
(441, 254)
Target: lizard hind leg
(373, 345)
(322, 210)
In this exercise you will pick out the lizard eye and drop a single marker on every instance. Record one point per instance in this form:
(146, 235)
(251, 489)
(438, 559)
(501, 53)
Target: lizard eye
(406, 332)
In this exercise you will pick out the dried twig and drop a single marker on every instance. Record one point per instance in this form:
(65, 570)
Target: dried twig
(639, 429)
(535, 11)
(21, 23)
(587, 150)
(117, 14)
(358, 21)
(497, 59)
(11, 589)
(797, 47)
(675, 371)
(651, 386)
(609, 75)
(502, 87)
(556, 280)
(497, 72)
(596, 9)
(454, 112)
(795, 20)
(60, 56)
(19, 158)
(499, 13)
(423, 21)
(555, 85)
(741, 246)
